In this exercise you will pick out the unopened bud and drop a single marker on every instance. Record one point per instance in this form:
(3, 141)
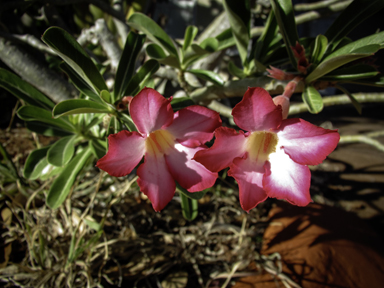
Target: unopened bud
(283, 101)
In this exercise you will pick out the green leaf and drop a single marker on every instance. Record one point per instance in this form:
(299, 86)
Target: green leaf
(126, 68)
(155, 51)
(127, 120)
(268, 39)
(331, 64)
(180, 103)
(99, 147)
(61, 151)
(208, 76)
(35, 163)
(189, 36)
(225, 39)
(209, 44)
(80, 83)
(357, 12)
(23, 90)
(114, 126)
(46, 129)
(286, 20)
(33, 113)
(354, 72)
(189, 207)
(371, 43)
(190, 195)
(74, 55)
(193, 53)
(78, 106)
(313, 99)
(153, 31)
(140, 78)
(319, 49)
(239, 16)
(236, 71)
(62, 185)
(105, 97)
(354, 101)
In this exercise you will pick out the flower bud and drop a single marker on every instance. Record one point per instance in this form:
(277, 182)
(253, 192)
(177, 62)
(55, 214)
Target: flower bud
(283, 101)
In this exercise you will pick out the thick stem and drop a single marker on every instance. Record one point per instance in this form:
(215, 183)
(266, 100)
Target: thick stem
(35, 73)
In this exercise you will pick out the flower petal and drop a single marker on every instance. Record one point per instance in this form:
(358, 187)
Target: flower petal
(306, 143)
(194, 125)
(249, 176)
(190, 174)
(150, 111)
(256, 111)
(155, 181)
(228, 145)
(125, 151)
(286, 179)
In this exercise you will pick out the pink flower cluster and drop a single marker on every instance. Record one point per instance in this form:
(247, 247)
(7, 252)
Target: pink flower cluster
(270, 160)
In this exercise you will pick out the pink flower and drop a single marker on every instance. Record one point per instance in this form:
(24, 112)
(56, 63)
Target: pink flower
(271, 159)
(168, 140)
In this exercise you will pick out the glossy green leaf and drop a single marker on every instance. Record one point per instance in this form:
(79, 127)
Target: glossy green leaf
(35, 163)
(331, 64)
(61, 187)
(74, 55)
(99, 147)
(192, 54)
(225, 39)
(140, 78)
(78, 106)
(127, 121)
(377, 81)
(369, 44)
(189, 207)
(153, 31)
(106, 97)
(268, 38)
(208, 76)
(155, 51)
(319, 49)
(180, 103)
(114, 126)
(236, 71)
(61, 151)
(357, 12)
(351, 73)
(126, 68)
(23, 90)
(46, 129)
(239, 16)
(80, 83)
(313, 99)
(33, 113)
(354, 101)
(189, 36)
(285, 18)
(209, 44)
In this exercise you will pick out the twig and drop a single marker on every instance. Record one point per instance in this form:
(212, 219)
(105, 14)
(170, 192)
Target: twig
(361, 139)
(339, 100)
(319, 5)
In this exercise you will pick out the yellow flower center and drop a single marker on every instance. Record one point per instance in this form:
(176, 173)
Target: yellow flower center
(261, 144)
(159, 142)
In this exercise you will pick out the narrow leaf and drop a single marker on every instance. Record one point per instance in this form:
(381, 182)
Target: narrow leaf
(62, 185)
(354, 101)
(79, 82)
(189, 207)
(226, 39)
(46, 129)
(236, 71)
(189, 36)
(126, 68)
(319, 49)
(61, 152)
(354, 72)
(268, 38)
(23, 90)
(239, 16)
(357, 12)
(154, 32)
(74, 55)
(99, 147)
(209, 44)
(78, 106)
(313, 99)
(139, 79)
(155, 51)
(32, 113)
(286, 20)
(208, 76)
(35, 163)
(180, 103)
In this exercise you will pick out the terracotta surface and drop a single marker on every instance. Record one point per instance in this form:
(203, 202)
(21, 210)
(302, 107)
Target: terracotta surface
(321, 246)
